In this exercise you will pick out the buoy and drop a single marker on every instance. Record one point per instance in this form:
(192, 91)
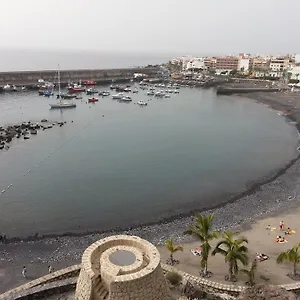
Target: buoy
(3, 191)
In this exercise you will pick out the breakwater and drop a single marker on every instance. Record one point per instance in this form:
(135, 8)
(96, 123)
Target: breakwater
(28, 78)
(230, 91)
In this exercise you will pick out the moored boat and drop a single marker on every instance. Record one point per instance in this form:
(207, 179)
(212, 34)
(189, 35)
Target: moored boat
(126, 99)
(91, 91)
(93, 100)
(142, 103)
(89, 82)
(118, 96)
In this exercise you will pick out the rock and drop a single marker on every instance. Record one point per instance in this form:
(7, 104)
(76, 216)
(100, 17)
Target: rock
(33, 131)
(44, 120)
(26, 137)
(266, 292)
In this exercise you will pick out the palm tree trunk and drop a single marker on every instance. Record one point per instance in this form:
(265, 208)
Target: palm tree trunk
(295, 270)
(230, 271)
(205, 268)
(171, 258)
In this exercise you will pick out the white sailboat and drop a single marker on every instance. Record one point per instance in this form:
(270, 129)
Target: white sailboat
(60, 103)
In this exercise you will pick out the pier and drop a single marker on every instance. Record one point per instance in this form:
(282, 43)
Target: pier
(28, 78)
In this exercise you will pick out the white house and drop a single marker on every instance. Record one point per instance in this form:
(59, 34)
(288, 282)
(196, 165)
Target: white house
(195, 63)
(294, 72)
(244, 64)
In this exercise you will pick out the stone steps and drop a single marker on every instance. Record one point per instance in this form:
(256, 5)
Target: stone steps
(100, 291)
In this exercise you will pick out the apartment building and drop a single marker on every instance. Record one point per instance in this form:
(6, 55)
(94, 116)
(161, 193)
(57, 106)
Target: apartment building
(227, 63)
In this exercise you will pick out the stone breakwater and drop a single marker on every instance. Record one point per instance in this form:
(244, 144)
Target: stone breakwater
(23, 130)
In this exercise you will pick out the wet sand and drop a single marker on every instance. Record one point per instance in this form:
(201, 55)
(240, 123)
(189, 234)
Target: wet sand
(277, 194)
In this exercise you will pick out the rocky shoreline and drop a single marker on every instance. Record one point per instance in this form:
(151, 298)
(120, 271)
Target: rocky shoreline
(23, 130)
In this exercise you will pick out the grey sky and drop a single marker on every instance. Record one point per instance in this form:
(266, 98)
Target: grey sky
(173, 26)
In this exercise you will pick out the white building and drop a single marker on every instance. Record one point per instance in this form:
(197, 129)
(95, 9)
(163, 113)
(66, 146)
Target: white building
(297, 58)
(294, 73)
(195, 63)
(244, 64)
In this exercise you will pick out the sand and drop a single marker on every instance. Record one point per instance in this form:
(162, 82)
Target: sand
(260, 240)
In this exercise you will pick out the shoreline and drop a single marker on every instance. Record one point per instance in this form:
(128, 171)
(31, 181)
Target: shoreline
(274, 194)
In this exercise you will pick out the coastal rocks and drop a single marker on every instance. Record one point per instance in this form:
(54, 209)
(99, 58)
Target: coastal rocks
(25, 129)
(266, 292)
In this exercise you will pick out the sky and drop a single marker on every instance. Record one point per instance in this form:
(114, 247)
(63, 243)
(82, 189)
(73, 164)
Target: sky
(157, 26)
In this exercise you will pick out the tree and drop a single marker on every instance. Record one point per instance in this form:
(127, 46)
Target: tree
(291, 255)
(233, 251)
(202, 231)
(251, 273)
(172, 249)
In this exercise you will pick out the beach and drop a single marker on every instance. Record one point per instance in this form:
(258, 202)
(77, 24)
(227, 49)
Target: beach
(276, 198)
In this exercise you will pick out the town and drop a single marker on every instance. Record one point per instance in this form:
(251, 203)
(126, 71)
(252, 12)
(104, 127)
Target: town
(283, 67)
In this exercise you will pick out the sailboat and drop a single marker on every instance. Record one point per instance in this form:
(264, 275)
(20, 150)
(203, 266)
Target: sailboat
(60, 103)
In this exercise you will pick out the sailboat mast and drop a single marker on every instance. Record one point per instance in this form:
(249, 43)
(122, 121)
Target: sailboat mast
(58, 75)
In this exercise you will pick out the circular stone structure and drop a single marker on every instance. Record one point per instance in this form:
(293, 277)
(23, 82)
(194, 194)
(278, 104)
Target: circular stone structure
(121, 267)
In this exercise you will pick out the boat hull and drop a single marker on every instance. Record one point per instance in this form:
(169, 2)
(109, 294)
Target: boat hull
(64, 105)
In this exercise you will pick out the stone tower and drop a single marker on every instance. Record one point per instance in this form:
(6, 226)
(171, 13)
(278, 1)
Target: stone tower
(121, 268)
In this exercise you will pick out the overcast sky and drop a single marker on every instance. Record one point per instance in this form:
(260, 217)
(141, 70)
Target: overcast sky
(173, 26)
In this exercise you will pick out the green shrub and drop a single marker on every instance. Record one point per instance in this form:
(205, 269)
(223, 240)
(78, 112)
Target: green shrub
(174, 278)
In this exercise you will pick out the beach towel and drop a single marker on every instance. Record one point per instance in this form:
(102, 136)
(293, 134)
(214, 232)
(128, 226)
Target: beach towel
(282, 242)
(196, 252)
(262, 258)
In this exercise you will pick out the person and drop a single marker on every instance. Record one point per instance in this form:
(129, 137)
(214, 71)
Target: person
(281, 225)
(24, 272)
(50, 269)
(289, 231)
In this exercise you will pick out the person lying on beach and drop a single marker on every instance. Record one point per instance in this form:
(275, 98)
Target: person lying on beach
(196, 252)
(261, 257)
(280, 239)
(289, 231)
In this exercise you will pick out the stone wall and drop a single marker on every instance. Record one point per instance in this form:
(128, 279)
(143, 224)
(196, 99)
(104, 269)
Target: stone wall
(31, 77)
(142, 279)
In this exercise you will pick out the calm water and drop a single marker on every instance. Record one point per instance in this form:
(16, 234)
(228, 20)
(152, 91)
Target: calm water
(135, 164)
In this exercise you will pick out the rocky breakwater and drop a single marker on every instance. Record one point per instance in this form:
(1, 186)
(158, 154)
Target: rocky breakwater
(23, 130)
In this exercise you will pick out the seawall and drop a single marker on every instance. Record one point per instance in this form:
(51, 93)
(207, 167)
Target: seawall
(230, 91)
(32, 77)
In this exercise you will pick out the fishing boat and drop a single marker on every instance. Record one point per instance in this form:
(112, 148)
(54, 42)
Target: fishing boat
(91, 91)
(151, 93)
(118, 96)
(142, 103)
(60, 103)
(93, 100)
(126, 99)
(75, 88)
(89, 82)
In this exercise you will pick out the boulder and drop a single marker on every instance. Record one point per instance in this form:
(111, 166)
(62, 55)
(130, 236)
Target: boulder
(44, 120)
(266, 292)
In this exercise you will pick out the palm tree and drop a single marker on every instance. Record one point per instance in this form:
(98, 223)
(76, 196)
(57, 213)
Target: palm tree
(202, 231)
(251, 273)
(233, 251)
(172, 249)
(291, 255)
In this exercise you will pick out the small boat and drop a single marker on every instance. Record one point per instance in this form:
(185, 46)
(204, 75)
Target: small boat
(142, 103)
(7, 88)
(176, 92)
(151, 93)
(78, 97)
(135, 91)
(91, 91)
(159, 94)
(89, 82)
(48, 94)
(66, 96)
(93, 100)
(118, 96)
(113, 87)
(105, 93)
(63, 105)
(126, 99)
(23, 88)
(167, 96)
(75, 88)
(127, 90)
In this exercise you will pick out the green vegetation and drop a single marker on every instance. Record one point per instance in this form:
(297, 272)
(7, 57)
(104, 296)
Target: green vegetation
(234, 251)
(172, 249)
(174, 278)
(291, 255)
(250, 273)
(202, 231)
